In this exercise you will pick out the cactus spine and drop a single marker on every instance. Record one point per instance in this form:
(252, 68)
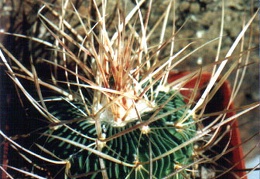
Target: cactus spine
(108, 108)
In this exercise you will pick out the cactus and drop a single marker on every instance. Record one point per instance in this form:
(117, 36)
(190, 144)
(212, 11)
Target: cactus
(129, 150)
(100, 82)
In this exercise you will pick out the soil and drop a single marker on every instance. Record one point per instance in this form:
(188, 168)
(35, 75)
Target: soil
(196, 21)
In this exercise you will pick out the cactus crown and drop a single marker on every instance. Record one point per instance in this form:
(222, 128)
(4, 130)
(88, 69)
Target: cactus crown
(130, 120)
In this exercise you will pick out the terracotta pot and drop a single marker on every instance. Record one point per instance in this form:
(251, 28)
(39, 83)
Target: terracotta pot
(218, 103)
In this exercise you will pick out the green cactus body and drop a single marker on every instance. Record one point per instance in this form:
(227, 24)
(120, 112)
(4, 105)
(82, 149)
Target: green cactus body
(138, 146)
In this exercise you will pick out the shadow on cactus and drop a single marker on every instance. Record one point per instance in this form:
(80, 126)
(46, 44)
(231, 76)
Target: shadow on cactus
(101, 85)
